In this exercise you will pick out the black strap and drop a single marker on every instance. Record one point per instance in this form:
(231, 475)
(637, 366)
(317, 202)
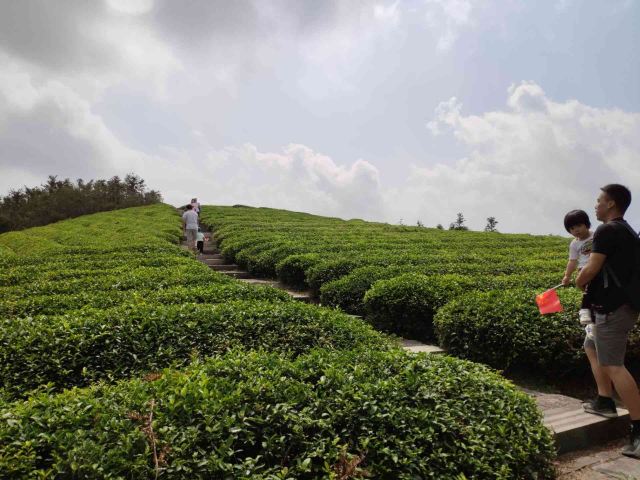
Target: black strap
(629, 228)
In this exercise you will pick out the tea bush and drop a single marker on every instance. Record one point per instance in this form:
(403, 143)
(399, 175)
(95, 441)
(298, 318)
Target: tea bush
(256, 415)
(78, 349)
(504, 329)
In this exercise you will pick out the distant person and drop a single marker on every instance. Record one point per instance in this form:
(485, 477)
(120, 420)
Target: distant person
(577, 223)
(612, 278)
(195, 205)
(190, 227)
(200, 241)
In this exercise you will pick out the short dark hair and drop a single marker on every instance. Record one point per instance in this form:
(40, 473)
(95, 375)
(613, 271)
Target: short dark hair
(576, 217)
(620, 195)
(189, 207)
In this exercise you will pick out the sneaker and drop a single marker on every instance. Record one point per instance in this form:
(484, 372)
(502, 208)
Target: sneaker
(600, 407)
(632, 449)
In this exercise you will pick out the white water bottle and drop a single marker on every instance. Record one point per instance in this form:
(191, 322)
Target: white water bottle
(585, 316)
(590, 330)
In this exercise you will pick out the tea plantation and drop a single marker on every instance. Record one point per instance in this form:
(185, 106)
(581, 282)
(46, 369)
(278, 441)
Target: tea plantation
(121, 356)
(471, 292)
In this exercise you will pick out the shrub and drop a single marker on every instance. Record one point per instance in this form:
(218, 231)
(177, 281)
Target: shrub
(291, 270)
(348, 292)
(77, 349)
(328, 270)
(504, 329)
(255, 415)
(405, 305)
(66, 303)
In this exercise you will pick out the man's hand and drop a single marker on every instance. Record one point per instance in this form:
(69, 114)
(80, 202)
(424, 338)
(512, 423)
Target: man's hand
(589, 272)
(566, 281)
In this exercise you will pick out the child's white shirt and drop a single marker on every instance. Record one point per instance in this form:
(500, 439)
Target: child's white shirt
(580, 250)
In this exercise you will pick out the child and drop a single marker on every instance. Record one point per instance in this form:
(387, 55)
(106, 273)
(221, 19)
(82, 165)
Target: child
(200, 241)
(577, 224)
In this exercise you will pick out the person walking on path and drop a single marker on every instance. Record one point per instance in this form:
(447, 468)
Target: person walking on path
(190, 227)
(611, 274)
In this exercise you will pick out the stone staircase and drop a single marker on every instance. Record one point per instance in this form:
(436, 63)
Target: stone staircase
(572, 428)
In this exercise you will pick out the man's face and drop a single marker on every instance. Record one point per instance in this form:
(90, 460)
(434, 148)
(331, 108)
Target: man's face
(603, 206)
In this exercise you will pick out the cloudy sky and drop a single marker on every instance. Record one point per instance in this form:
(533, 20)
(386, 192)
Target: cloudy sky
(412, 109)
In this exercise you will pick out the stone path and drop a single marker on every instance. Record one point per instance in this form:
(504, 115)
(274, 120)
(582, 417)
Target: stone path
(574, 430)
(598, 463)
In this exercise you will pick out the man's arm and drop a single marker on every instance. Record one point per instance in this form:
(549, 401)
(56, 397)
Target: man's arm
(591, 269)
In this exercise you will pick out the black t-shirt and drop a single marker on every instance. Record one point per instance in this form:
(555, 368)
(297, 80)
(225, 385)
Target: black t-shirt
(614, 240)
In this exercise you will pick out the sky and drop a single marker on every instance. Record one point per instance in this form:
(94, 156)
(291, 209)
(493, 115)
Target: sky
(395, 111)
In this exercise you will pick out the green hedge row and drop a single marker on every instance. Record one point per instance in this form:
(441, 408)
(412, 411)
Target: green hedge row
(405, 305)
(384, 415)
(64, 303)
(78, 349)
(504, 329)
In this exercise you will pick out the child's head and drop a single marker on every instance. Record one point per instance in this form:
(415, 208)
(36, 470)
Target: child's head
(577, 223)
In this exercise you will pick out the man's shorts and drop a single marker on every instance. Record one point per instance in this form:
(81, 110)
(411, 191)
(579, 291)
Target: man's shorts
(611, 334)
(192, 234)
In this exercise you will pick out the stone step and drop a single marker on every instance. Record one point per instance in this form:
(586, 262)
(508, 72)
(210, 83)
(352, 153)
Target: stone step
(259, 281)
(574, 429)
(238, 274)
(302, 296)
(215, 261)
(414, 346)
(224, 266)
(211, 256)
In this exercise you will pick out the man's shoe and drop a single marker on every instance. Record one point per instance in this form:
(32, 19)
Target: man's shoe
(602, 408)
(633, 448)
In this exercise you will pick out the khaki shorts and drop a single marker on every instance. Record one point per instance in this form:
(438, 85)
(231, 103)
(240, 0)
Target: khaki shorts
(192, 234)
(611, 334)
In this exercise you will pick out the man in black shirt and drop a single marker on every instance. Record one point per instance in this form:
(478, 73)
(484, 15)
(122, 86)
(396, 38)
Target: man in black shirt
(610, 266)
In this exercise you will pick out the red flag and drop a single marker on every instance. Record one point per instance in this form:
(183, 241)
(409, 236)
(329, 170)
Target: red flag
(549, 302)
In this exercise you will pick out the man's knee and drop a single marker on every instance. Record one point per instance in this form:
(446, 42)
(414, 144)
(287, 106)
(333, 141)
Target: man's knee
(613, 370)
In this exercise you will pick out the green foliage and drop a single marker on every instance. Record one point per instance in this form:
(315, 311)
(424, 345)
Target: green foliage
(261, 415)
(78, 349)
(291, 270)
(60, 199)
(121, 301)
(348, 292)
(175, 295)
(405, 305)
(504, 329)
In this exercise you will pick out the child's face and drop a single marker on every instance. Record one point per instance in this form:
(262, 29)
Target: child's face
(579, 231)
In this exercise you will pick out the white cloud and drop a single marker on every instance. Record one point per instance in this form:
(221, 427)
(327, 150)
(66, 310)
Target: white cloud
(528, 164)
(447, 18)
(296, 178)
(50, 128)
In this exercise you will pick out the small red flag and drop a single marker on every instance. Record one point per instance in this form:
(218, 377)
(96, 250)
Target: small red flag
(549, 302)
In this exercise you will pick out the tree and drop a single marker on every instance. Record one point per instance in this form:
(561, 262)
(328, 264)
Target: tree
(491, 225)
(459, 223)
(439, 226)
(420, 224)
(59, 199)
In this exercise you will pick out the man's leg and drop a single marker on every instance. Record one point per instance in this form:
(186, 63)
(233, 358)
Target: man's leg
(612, 332)
(626, 387)
(603, 381)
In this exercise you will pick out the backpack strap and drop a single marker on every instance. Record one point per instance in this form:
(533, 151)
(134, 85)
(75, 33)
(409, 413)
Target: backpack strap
(629, 228)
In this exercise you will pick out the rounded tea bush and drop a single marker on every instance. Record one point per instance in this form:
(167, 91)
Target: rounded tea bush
(79, 348)
(504, 329)
(386, 415)
(405, 305)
